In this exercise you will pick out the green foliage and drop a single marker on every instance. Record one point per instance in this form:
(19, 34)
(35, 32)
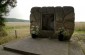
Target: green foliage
(2, 21)
(5, 6)
(35, 29)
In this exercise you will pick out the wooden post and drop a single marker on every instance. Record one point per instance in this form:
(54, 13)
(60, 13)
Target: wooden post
(15, 34)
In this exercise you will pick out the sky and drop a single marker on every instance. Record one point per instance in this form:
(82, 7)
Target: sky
(22, 10)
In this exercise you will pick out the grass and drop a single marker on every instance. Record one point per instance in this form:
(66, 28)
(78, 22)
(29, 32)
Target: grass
(79, 34)
(80, 30)
(22, 30)
(80, 26)
(16, 25)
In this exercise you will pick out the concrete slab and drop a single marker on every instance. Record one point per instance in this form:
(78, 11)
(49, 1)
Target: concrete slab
(39, 46)
(3, 52)
(43, 46)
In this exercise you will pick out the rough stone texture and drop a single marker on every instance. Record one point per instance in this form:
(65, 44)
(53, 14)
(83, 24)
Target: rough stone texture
(45, 46)
(64, 18)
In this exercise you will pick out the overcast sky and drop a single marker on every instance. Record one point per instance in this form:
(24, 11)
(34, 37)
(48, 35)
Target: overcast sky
(22, 10)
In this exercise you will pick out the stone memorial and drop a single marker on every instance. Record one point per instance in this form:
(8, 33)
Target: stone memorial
(52, 22)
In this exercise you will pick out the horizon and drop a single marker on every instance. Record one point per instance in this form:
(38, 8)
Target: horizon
(23, 11)
(29, 20)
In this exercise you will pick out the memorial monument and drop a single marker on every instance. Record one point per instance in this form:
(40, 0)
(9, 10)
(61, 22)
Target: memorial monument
(52, 22)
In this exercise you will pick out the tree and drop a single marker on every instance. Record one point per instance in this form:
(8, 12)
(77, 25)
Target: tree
(5, 6)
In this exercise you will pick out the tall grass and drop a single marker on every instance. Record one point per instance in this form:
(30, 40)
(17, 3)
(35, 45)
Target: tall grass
(80, 26)
(22, 31)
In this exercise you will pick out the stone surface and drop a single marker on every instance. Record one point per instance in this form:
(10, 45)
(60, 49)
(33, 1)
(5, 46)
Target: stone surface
(40, 46)
(44, 46)
(52, 21)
